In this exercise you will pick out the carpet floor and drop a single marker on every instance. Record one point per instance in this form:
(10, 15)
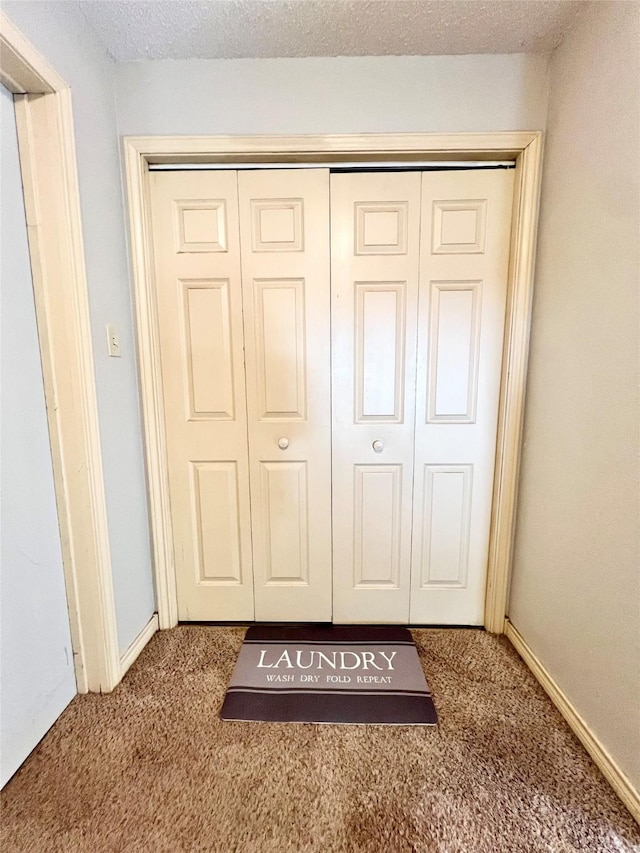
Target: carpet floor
(151, 767)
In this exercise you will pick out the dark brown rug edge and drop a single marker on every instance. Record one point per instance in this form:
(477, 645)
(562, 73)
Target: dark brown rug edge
(327, 634)
(318, 708)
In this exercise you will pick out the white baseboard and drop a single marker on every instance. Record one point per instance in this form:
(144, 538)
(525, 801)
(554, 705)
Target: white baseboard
(620, 783)
(138, 644)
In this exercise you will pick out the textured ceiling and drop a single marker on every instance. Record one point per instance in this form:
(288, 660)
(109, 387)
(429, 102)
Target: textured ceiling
(193, 29)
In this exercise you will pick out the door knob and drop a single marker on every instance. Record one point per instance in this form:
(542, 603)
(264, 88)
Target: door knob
(378, 446)
(283, 443)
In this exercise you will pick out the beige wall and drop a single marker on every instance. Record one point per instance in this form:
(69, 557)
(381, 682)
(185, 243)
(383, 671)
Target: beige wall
(340, 94)
(576, 584)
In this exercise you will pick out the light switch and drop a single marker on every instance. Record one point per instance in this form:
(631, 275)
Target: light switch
(113, 341)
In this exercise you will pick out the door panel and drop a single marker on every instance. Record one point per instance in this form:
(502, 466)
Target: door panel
(380, 348)
(207, 352)
(375, 222)
(280, 367)
(454, 336)
(284, 226)
(215, 504)
(283, 490)
(199, 305)
(445, 524)
(377, 525)
(466, 220)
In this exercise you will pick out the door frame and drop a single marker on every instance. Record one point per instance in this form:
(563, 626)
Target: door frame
(44, 119)
(524, 147)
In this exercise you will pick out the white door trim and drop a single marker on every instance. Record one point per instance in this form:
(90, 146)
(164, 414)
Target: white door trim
(50, 182)
(524, 147)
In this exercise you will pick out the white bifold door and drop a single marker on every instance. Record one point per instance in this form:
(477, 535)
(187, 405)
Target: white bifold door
(330, 350)
(242, 292)
(419, 275)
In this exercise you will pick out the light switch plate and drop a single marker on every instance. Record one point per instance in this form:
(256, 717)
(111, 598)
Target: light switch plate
(113, 341)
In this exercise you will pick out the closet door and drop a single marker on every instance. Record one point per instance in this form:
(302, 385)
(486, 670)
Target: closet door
(375, 226)
(199, 306)
(284, 225)
(466, 219)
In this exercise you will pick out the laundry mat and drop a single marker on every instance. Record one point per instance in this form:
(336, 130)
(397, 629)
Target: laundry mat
(335, 674)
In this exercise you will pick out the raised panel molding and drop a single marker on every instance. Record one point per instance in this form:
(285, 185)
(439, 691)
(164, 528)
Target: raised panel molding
(380, 328)
(455, 309)
(207, 349)
(444, 537)
(381, 228)
(459, 227)
(277, 225)
(286, 522)
(200, 225)
(214, 487)
(280, 349)
(377, 525)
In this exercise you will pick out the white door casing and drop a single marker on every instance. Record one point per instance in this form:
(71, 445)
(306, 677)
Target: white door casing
(199, 304)
(284, 228)
(524, 148)
(464, 257)
(375, 230)
(44, 118)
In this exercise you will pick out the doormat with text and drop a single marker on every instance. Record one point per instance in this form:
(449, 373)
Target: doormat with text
(329, 674)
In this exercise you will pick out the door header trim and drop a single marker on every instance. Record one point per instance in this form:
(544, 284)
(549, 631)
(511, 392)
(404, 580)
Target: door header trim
(368, 147)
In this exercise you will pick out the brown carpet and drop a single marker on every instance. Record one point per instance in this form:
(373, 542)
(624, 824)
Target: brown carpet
(151, 767)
